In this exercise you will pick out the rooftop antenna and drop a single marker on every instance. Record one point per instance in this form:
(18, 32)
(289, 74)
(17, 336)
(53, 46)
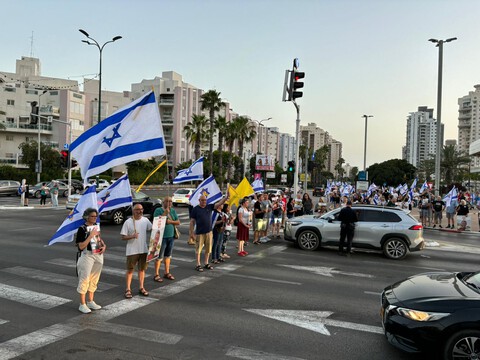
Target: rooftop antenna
(31, 46)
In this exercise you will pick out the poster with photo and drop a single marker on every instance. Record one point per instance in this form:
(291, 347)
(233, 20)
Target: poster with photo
(464, 222)
(156, 237)
(95, 243)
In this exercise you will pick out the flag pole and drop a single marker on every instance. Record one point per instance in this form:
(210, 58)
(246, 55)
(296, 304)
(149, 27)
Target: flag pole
(149, 175)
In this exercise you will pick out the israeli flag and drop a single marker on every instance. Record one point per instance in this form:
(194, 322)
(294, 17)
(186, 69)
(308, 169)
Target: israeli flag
(404, 189)
(74, 220)
(214, 218)
(257, 185)
(376, 199)
(424, 187)
(210, 189)
(452, 195)
(193, 173)
(414, 184)
(132, 133)
(117, 195)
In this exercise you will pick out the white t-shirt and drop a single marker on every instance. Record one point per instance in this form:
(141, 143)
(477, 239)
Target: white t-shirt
(139, 245)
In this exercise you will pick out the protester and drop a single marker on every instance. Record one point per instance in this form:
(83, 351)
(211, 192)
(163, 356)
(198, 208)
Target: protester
(201, 230)
(348, 218)
(54, 193)
(89, 265)
(134, 231)
(43, 194)
(261, 216)
(450, 212)
(277, 214)
(228, 230)
(168, 240)
(307, 204)
(217, 234)
(298, 205)
(291, 208)
(244, 217)
(438, 207)
(462, 212)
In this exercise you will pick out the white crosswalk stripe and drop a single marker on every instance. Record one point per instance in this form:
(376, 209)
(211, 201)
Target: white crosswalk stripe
(31, 298)
(105, 270)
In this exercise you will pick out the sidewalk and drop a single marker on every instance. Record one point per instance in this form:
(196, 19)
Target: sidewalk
(475, 228)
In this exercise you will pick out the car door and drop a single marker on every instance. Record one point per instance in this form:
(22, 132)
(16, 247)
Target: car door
(373, 224)
(330, 227)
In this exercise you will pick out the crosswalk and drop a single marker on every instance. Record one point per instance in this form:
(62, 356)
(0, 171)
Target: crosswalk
(46, 290)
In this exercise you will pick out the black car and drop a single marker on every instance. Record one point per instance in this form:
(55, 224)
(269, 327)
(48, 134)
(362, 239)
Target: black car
(318, 191)
(76, 184)
(118, 216)
(434, 313)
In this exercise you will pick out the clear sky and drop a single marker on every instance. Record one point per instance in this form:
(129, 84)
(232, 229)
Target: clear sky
(359, 57)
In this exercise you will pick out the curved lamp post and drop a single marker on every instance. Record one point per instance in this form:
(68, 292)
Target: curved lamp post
(100, 48)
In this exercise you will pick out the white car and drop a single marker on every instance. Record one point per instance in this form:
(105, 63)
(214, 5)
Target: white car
(182, 196)
(102, 184)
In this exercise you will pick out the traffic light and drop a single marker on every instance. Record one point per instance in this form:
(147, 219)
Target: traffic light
(291, 167)
(65, 161)
(34, 112)
(73, 163)
(295, 83)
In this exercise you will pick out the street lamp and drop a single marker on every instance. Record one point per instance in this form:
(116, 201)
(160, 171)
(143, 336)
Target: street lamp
(259, 122)
(365, 145)
(439, 111)
(100, 48)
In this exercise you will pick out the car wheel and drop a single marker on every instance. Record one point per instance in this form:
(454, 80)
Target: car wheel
(65, 193)
(395, 248)
(118, 217)
(37, 194)
(308, 240)
(464, 344)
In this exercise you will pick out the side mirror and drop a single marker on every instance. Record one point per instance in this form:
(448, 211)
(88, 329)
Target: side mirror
(330, 219)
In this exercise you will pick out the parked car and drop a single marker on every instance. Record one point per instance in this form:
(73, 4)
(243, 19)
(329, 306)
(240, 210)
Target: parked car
(102, 183)
(436, 313)
(118, 216)
(318, 191)
(62, 189)
(182, 196)
(9, 187)
(77, 184)
(391, 230)
(275, 192)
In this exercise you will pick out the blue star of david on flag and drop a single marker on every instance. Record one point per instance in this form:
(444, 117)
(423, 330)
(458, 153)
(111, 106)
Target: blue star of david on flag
(73, 213)
(208, 188)
(115, 135)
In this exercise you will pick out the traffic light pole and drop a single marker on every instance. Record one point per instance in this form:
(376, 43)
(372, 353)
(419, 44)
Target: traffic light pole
(297, 148)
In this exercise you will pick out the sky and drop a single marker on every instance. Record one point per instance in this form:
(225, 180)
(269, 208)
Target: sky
(359, 56)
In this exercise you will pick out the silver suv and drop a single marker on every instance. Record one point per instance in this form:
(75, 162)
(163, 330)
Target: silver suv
(391, 230)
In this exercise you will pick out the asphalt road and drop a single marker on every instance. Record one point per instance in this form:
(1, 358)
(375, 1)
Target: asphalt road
(277, 303)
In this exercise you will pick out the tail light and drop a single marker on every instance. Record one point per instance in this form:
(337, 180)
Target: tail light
(415, 227)
(187, 196)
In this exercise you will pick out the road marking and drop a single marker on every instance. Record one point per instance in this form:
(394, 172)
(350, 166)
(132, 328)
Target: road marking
(31, 298)
(3, 321)
(265, 279)
(404, 266)
(313, 320)
(326, 271)
(372, 293)
(55, 278)
(138, 333)
(25, 229)
(248, 354)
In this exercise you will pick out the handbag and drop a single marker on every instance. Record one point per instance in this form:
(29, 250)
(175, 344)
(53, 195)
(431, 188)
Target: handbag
(176, 233)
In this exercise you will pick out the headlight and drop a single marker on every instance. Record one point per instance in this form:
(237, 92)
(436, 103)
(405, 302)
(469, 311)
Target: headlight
(421, 315)
(295, 223)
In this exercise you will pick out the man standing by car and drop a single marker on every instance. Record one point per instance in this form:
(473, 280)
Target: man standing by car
(348, 218)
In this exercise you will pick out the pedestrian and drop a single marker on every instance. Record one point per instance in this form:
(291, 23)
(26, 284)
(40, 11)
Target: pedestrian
(90, 263)
(307, 204)
(201, 230)
(228, 230)
(43, 193)
(218, 228)
(54, 193)
(168, 241)
(424, 210)
(134, 231)
(277, 217)
(450, 212)
(438, 207)
(291, 208)
(348, 218)
(24, 193)
(462, 213)
(244, 217)
(261, 216)
(298, 205)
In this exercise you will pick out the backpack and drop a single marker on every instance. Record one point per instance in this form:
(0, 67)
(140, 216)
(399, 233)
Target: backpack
(20, 190)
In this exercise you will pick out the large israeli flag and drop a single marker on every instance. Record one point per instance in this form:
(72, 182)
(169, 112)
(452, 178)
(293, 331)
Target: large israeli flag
(193, 173)
(117, 195)
(74, 220)
(210, 189)
(132, 133)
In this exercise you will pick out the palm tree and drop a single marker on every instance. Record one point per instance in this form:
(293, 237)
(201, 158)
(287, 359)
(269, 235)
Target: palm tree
(196, 132)
(339, 169)
(230, 137)
(212, 102)
(221, 126)
(245, 132)
(452, 162)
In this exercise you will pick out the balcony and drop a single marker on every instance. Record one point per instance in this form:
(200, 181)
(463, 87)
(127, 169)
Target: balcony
(166, 100)
(13, 162)
(49, 110)
(464, 116)
(167, 120)
(464, 124)
(30, 128)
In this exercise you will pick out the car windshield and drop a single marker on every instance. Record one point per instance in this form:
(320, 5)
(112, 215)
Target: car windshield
(329, 215)
(182, 192)
(473, 280)
(139, 195)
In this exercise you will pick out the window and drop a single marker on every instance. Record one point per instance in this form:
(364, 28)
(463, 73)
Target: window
(53, 92)
(9, 137)
(31, 92)
(78, 96)
(380, 216)
(10, 120)
(10, 89)
(10, 102)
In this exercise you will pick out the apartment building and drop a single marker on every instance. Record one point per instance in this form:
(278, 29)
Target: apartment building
(469, 124)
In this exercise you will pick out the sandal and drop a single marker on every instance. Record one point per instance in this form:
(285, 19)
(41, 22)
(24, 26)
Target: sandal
(208, 266)
(157, 278)
(168, 276)
(128, 294)
(143, 292)
(199, 268)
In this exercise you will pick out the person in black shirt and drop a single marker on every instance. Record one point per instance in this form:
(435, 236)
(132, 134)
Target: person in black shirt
(438, 207)
(348, 218)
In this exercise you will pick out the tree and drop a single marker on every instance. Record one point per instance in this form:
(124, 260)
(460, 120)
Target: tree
(51, 159)
(230, 137)
(339, 168)
(392, 172)
(221, 125)
(452, 162)
(320, 158)
(211, 102)
(246, 132)
(353, 173)
(196, 132)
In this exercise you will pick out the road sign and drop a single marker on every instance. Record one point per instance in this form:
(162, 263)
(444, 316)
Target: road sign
(66, 146)
(283, 178)
(362, 185)
(362, 175)
(271, 175)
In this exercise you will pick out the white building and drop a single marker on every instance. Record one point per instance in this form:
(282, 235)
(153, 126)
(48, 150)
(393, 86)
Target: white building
(469, 125)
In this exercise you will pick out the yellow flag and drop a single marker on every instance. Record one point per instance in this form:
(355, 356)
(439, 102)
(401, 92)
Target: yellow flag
(244, 189)
(233, 197)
